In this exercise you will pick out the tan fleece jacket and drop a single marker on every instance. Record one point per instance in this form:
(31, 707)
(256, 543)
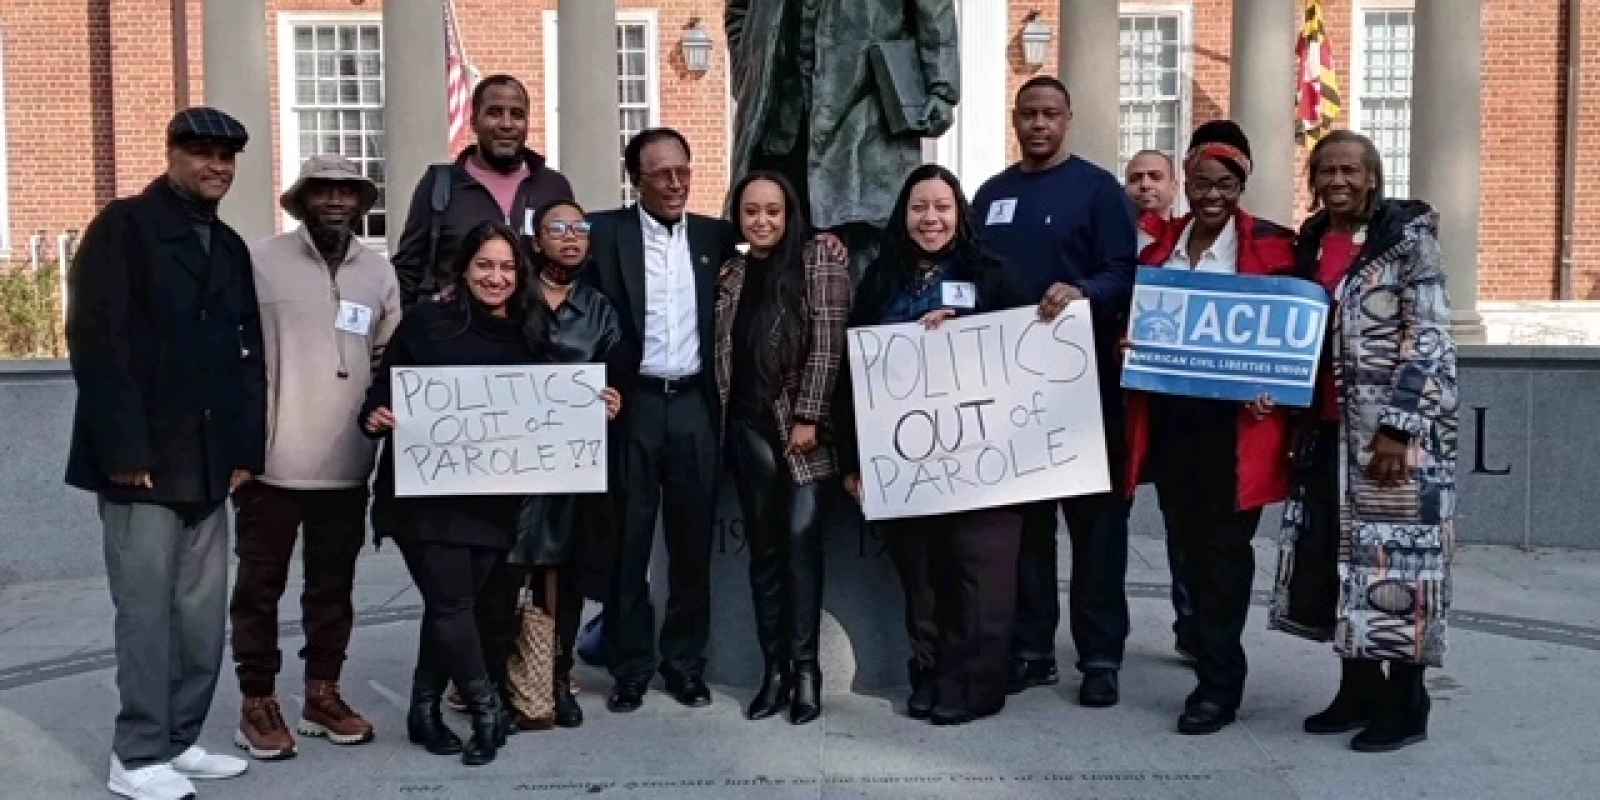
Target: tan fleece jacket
(317, 373)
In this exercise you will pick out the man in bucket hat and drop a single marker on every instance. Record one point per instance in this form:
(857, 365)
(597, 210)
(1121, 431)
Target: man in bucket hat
(171, 408)
(328, 307)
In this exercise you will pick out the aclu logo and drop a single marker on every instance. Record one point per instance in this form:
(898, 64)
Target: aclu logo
(1233, 321)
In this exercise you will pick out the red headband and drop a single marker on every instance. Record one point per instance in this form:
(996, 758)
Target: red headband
(1219, 151)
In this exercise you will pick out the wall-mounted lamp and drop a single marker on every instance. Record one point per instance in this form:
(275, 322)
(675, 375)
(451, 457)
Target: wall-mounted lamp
(1035, 41)
(697, 46)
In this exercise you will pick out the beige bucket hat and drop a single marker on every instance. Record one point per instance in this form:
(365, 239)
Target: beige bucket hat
(329, 168)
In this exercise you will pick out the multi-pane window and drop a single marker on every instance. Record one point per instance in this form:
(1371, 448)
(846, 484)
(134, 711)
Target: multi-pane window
(633, 89)
(1384, 92)
(1150, 70)
(338, 101)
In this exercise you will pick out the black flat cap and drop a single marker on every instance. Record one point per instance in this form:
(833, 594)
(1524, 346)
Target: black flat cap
(202, 122)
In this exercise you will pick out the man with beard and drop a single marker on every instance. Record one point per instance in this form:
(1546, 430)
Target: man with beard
(328, 306)
(171, 416)
(498, 179)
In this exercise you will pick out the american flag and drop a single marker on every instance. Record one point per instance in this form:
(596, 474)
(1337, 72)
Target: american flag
(1318, 106)
(458, 80)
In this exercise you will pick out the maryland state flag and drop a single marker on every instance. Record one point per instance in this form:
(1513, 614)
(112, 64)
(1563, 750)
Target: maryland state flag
(1319, 86)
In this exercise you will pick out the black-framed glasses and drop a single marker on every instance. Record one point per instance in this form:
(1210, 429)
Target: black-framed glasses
(560, 229)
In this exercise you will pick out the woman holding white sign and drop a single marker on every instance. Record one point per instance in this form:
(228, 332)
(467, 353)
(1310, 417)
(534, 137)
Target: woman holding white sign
(1215, 463)
(452, 544)
(1368, 533)
(780, 317)
(552, 529)
(958, 571)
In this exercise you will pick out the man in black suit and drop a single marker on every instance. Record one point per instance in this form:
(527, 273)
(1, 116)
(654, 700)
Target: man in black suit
(657, 264)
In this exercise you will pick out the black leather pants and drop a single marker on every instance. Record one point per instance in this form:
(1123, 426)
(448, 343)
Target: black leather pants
(783, 526)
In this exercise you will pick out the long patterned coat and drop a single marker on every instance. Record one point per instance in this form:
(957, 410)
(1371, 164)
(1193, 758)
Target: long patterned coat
(1394, 365)
(809, 374)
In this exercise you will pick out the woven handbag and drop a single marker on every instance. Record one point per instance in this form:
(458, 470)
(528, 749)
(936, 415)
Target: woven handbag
(529, 670)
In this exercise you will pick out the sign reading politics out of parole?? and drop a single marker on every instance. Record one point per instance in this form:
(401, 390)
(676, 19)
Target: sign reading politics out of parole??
(499, 430)
(987, 410)
(1225, 337)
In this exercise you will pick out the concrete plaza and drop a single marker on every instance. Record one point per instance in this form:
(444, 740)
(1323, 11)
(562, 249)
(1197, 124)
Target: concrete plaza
(1514, 714)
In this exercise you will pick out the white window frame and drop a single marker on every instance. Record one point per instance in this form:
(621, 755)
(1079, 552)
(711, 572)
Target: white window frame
(289, 157)
(1358, 61)
(5, 186)
(652, 40)
(1185, 125)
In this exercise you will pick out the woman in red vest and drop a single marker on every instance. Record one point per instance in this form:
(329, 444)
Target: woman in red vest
(1215, 463)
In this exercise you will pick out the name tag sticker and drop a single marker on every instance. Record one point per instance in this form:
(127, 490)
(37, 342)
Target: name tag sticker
(959, 294)
(527, 222)
(1001, 211)
(354, 318)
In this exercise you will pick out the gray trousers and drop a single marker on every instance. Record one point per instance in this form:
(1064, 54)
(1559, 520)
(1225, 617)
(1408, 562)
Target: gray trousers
(169, 583)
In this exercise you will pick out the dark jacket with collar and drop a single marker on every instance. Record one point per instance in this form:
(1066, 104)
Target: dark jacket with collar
(616, 244)
(166, 351)
(471, 203)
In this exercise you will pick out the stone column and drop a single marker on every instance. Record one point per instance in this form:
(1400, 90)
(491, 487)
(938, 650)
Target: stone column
(586, 100)
(415, 122)
(1090, 48)
(1446, 90)
(1262, 100)
(235, 39)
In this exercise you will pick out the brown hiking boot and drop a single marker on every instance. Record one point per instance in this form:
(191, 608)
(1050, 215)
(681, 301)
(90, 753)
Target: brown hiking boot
(261, 730)
(325, 714)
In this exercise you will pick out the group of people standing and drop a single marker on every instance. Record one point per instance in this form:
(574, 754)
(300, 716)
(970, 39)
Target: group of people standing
(208, 368)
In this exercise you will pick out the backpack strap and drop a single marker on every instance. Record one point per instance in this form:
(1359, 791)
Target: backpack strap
(438, 200)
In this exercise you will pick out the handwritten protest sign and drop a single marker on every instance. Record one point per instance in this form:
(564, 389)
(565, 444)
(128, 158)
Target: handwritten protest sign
(1225, 337)
(988, 410)
(499, 430)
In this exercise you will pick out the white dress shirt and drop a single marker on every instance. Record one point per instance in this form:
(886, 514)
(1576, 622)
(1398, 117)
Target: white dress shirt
(1221, 257)
(671, 325)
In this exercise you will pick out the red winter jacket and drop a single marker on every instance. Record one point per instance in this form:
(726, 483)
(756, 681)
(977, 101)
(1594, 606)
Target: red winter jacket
(1261, 454)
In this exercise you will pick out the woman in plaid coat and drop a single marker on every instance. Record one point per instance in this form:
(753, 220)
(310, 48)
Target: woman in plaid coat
(780, 321)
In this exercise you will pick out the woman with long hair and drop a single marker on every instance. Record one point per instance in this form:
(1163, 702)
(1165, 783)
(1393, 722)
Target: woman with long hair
(780, 318)
(452, 545)
(578, 326)
(1368, 534)
(1215, 463)
(958, 571)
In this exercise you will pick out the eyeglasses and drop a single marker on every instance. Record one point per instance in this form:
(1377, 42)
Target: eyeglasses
(666, 176)
(561, 229)
(1227, 187)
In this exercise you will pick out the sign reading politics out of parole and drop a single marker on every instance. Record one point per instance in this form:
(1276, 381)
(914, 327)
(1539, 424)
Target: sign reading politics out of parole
(1225, 337)
(499, 430)
(987, 410)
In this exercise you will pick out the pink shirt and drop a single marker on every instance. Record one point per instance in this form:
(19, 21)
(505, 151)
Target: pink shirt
(502, 186)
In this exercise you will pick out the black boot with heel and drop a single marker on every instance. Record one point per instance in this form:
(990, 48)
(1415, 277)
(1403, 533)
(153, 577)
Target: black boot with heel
(1360, 682)
(777, 687)
(424, 724)
(1402, 717)
(806, 703)
(488, 724)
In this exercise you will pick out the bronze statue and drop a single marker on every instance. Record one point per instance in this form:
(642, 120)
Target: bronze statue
(811, 100)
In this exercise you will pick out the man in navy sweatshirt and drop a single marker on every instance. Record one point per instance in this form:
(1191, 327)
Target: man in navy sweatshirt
(1065, 230)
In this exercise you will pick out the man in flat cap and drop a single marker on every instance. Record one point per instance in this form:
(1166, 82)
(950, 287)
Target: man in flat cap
(171, 416)
(328, 307)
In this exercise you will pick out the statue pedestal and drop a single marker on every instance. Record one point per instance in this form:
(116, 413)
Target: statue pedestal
(863, 644)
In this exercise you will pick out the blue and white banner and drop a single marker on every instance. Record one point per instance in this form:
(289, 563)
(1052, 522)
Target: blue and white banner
(1225, 337)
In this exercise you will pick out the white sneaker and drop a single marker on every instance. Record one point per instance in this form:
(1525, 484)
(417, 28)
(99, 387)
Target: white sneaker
(201, 765)
(155, 782)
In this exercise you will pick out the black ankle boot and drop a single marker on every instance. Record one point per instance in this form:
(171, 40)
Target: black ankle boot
(1360, 682)
(568, 713)
(806, 705)
(777, 686)
(1402, 717)
(424, 724)
(488, 724)
(923, 692)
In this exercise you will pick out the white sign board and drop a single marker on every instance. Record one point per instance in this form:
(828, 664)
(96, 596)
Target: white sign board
(988, 410)
(527, 429)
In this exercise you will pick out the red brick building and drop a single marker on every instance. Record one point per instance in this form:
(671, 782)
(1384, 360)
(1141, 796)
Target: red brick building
(89, 84)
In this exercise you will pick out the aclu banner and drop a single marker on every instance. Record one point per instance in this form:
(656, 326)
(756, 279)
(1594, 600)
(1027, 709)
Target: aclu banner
(1225, 337)
(988, 410)
(535, 429)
